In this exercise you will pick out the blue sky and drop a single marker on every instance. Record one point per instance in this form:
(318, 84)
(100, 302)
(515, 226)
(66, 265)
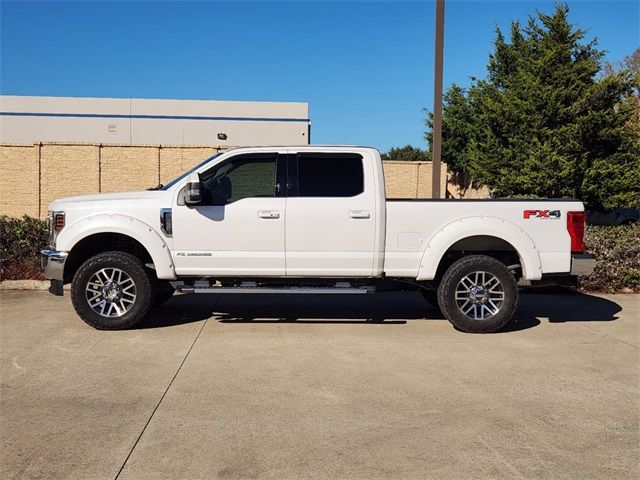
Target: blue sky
(365, 68)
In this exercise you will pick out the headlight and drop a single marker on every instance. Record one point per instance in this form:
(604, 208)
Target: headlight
(56, 223)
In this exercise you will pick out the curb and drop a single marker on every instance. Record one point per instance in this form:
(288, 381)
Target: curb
(41, 285)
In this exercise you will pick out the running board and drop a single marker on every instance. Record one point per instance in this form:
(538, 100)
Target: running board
(275, 290)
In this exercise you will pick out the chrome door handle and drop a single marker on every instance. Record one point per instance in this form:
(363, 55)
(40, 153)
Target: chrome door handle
(269, 214)
(359, 213)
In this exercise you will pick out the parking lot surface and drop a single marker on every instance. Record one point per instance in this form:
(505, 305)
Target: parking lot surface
(296, 387)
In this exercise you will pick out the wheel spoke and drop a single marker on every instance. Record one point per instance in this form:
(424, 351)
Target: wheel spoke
(494, 306)
(467, 283)
(110, 292)
(98, 299)
(479, 295)
(104, 277)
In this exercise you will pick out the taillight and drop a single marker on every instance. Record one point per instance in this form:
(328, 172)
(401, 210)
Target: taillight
(575, 227)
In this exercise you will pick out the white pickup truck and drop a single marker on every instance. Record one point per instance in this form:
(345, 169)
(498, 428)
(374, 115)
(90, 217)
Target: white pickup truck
(310, 220)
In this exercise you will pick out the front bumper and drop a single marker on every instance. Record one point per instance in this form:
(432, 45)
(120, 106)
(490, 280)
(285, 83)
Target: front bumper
(582, 264)
(52, 264)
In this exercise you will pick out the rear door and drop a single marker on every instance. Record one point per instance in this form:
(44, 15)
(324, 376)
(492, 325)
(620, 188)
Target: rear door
(331, 216)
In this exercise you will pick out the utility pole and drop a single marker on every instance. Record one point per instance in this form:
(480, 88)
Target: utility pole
(437, 100)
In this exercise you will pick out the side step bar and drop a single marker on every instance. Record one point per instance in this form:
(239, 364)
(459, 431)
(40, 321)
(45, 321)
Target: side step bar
(274, 290)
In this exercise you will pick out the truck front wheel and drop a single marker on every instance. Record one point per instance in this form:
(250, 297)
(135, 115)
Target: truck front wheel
(478, 294)
(112, 291)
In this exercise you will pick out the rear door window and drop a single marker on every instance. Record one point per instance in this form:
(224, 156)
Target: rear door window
(329, 175)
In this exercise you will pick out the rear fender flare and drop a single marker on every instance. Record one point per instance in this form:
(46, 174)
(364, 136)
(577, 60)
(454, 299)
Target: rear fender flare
(466, 227)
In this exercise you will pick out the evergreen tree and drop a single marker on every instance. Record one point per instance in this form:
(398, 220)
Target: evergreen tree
(407, 153)
(543, 123)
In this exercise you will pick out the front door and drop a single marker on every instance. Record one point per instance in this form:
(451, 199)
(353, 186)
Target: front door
(331, 215)
(238, 230)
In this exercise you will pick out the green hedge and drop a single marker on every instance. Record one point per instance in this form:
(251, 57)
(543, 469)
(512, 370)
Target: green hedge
(20, 241)
(617, 250)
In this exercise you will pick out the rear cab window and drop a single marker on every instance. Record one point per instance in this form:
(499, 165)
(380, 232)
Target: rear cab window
(326, 175)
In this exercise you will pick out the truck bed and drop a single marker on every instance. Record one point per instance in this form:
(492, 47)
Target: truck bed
(412, 226)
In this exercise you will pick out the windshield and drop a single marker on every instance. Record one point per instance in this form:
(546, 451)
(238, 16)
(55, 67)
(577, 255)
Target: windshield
(189, 172)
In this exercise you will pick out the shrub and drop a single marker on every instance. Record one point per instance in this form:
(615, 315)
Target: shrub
(20, 241)
(617, 252)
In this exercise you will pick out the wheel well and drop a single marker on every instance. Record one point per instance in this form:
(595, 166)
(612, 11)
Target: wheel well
(480, 245)
(102, 242)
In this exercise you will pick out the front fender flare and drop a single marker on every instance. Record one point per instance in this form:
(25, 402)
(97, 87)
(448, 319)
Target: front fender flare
(125, 225)
(467, 227)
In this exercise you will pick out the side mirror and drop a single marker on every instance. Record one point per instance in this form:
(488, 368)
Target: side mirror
(193, 195)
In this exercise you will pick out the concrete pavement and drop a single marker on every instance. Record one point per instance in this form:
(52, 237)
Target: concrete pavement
(291, 387)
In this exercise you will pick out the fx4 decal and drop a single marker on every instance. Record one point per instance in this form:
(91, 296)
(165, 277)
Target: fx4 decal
(553, 214)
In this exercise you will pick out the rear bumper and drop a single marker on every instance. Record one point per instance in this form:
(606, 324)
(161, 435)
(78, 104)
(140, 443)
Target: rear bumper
(52, 264)
(582, 264)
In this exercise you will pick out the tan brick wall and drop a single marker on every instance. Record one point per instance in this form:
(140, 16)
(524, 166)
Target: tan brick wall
(411, 179)
(31, 176)
(19, 172)
(67, 170)
(425, 174)
(401, 179)
(176, 160)
(129, 168)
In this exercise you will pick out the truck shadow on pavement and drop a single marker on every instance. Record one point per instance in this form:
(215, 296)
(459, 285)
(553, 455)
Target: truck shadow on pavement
(385, 308)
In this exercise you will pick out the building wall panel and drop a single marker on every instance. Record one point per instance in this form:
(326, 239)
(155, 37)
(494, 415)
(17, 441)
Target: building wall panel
(129, 168)
(19, 180)
(67, 170)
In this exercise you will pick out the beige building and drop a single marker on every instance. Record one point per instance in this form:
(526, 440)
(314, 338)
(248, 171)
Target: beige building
(53, 147)
(27, 119)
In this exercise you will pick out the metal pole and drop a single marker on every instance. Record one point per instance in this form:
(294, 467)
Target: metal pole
(437, 100)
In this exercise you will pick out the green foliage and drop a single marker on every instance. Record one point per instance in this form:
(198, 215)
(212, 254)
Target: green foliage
(617, 252)
(21, 239)
(543, 123)
(407, 153)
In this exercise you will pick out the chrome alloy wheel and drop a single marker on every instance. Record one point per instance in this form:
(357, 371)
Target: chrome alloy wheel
(479, 295)
(111, 292)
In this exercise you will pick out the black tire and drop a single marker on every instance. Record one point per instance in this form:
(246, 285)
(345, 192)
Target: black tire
(452, 280)
(164, 291)
(134, 311)
(431, 296)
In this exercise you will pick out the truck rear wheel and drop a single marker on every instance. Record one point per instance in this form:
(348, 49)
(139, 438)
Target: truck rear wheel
(478, 294)
(112, 291)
